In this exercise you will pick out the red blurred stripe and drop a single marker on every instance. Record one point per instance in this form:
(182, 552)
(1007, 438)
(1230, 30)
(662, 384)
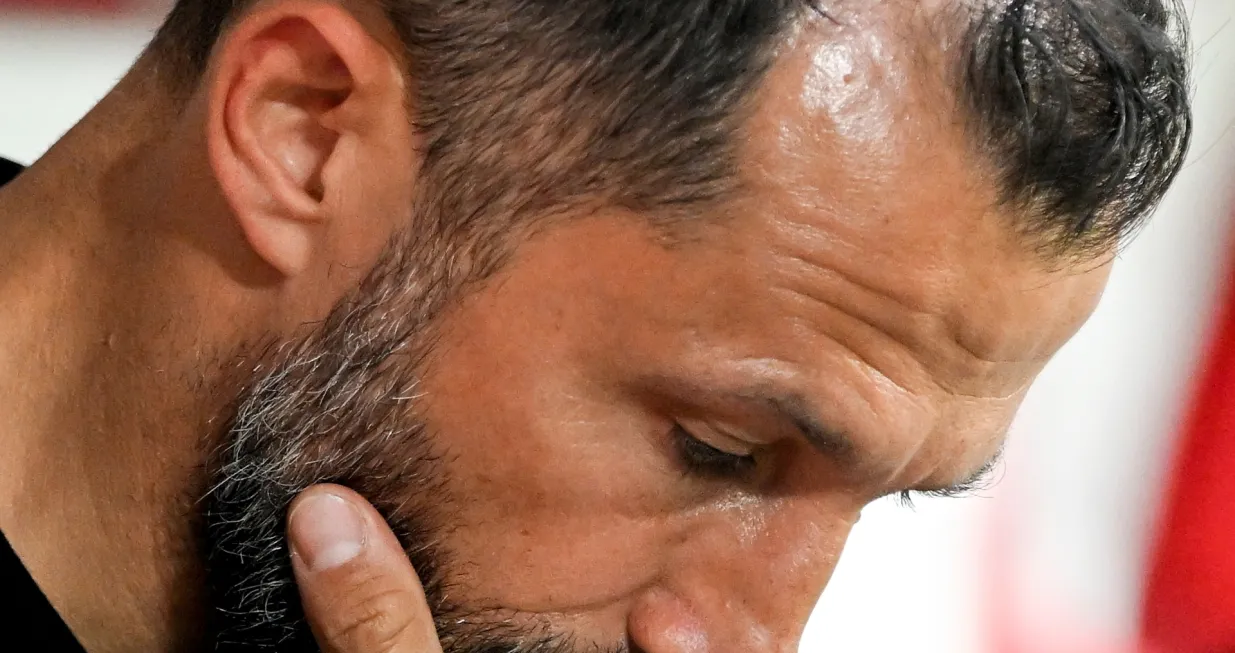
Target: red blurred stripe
(69, 5)
(1190, 598)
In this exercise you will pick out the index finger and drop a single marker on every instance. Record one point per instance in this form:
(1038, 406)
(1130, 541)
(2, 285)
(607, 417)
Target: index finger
(360, 592)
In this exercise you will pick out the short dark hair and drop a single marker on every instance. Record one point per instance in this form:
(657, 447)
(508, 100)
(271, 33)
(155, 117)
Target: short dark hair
(1083, 106)
(528, 106)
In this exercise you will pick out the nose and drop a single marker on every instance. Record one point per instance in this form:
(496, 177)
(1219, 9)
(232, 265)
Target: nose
(742, 580)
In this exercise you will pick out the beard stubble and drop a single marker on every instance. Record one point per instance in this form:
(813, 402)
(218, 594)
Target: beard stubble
(343, 404)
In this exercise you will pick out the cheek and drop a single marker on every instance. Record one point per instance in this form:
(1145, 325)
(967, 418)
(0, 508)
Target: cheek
(562, 500)
(546, 528)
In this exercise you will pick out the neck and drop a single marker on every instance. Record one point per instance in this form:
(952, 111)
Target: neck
(101, 424)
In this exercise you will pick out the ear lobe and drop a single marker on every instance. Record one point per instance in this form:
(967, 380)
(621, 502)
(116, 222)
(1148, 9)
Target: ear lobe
(270, 134)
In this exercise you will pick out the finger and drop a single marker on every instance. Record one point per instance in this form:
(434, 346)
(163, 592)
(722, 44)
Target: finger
(360, 592)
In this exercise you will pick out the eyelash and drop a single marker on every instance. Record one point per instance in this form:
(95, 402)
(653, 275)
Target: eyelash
(702, 459)
(905, 497)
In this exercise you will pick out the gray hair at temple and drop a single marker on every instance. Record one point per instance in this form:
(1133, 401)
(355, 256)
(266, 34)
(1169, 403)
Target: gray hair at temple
(528, 107)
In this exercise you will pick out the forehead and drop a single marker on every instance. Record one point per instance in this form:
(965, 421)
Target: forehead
(869, 214)
(858, 159)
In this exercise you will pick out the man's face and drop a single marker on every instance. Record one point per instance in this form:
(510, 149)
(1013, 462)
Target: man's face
(663, 443)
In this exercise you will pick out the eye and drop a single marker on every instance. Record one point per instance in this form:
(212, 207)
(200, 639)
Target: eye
(703, 459)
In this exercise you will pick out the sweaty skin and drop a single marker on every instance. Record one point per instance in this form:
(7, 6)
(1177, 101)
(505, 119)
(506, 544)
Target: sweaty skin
(866, 281)
(860, 320)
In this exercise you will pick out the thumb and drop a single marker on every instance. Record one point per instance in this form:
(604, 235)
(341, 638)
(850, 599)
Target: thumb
(360, 592)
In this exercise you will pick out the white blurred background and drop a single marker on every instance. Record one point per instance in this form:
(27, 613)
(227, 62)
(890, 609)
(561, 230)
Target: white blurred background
(1069, 524)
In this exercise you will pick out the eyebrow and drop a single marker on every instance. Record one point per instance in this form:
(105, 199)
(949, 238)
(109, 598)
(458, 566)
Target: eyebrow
(797, 411)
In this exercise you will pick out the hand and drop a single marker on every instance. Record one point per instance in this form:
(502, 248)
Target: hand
(360, 592)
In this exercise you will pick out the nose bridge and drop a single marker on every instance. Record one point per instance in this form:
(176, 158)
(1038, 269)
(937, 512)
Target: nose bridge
(754, 575)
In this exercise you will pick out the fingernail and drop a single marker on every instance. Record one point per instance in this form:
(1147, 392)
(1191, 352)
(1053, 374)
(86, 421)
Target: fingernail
(326, 531)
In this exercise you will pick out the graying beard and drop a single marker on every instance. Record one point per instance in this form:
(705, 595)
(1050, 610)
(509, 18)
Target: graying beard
(336, 405)
(324, 417)
(340, 405)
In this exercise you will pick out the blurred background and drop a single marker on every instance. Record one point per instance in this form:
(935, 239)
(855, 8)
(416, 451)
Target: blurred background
(1090, 505)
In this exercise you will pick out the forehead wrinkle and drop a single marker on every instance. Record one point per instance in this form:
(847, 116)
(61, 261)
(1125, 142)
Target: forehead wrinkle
(882, 215)
(865, 195)
(897, 318)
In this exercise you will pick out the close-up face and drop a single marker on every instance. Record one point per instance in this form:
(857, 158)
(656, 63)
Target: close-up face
(655, 438)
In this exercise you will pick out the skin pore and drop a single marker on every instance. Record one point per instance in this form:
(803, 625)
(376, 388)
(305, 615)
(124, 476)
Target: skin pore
(865, 285)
